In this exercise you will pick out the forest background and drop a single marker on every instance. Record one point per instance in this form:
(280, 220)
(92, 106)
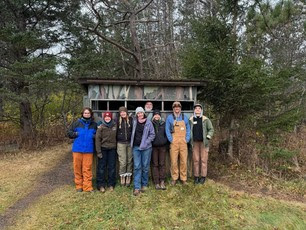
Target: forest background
(251, 54)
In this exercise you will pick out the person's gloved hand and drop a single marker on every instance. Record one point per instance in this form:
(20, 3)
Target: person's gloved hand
(99, 155)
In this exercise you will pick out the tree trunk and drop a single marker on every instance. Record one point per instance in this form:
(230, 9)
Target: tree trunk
(135, 41)
(1, 109)
(26, 122)
(231, 139)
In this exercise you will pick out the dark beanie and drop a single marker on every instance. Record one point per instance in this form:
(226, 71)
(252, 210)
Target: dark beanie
(156, 111)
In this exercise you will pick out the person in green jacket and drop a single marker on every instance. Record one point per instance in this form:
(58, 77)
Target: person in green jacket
(201, 132)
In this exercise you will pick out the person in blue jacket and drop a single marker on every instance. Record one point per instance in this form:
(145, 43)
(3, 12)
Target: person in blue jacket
(83, 132)
(178, 134)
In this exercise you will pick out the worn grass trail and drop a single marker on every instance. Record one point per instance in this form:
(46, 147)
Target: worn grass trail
(52, 203)
(41, 183)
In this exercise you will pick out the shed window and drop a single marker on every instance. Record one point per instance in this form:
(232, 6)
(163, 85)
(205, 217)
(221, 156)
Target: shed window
(98, 105)
(114, 105)
(186, 105)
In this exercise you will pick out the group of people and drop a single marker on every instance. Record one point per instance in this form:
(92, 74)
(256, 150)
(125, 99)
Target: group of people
(134, 140)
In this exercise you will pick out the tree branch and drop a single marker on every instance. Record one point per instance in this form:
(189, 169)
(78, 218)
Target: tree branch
(112, 42)
(143, 7)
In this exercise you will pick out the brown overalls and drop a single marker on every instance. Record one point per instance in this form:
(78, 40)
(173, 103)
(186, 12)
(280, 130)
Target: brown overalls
(178, 148)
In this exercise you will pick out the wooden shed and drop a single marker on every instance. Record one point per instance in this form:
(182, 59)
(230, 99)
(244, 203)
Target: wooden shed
(109, 94)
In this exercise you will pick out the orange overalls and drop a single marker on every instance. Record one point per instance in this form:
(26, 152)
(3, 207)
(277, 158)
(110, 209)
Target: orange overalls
(82, 164)
(178, 149)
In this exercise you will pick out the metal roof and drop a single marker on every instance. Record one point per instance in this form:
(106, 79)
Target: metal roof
(140, 82)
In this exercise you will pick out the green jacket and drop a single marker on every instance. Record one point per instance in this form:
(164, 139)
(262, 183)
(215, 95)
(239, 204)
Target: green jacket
(208, 130)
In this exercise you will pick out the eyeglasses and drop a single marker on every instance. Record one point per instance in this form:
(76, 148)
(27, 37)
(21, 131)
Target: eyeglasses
(176, 105)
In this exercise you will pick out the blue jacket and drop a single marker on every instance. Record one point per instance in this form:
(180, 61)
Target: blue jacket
(169, 127)
(147, 136)
(83, 132)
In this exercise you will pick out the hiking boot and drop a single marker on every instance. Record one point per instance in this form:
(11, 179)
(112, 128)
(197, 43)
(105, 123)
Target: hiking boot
(111, 188)
(196, 180)
(143, 189)
(79, 190)
(162, 185)
(173, 182)
(184, 182)
(122, 180)
(157, 187)
(102, 189)
(136, 192)
(202, 180)
(128, 181)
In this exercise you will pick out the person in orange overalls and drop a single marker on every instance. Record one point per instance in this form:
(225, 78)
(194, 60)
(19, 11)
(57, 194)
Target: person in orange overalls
(83, 132)
(178, 134)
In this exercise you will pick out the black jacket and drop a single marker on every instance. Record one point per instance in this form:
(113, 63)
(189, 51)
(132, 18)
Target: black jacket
(160, 134)
(124, 130)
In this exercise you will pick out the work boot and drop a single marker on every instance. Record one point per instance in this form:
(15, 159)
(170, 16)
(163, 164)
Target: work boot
(122, 180)
(184, 182)
(202, 180)
(102, 189)
(143, 189)
(128, 181)
(111, 188)
(173, 182)
(196, 180)
(136, 192)
(157, 187)
(162, 185)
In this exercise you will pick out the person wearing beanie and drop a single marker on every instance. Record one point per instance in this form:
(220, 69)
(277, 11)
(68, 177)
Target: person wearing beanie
(148, 109)
(106, 152)
(83, 132)
(124, 131)
(141, 143)
(159, 151)
(201, 132)
(178, 134)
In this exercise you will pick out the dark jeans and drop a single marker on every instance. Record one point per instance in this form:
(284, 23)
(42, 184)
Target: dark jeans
(158, 163)
(108, 161)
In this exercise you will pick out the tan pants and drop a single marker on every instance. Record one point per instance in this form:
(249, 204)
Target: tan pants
(125, 156)
(199, 157)
(82, 165)
(178, 149)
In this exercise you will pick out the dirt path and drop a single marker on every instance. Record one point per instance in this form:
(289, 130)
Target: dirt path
(57, 176)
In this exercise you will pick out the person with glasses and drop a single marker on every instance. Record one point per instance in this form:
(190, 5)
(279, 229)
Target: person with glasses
(178, 134)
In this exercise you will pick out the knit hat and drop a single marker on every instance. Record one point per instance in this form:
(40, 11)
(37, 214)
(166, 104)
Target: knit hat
(198, 105)
(108, 114)
(176, 104)
(156, 111)
(139, 110)
(122, 108)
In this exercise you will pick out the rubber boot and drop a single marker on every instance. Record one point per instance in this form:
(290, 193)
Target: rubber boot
(122, 180)
(128, 181)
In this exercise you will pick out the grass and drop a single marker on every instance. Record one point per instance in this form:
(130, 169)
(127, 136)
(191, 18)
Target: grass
(19, 172)
(212, 206)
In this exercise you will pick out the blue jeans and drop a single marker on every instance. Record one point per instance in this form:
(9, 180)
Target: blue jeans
(107, 162)
(142, 160)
